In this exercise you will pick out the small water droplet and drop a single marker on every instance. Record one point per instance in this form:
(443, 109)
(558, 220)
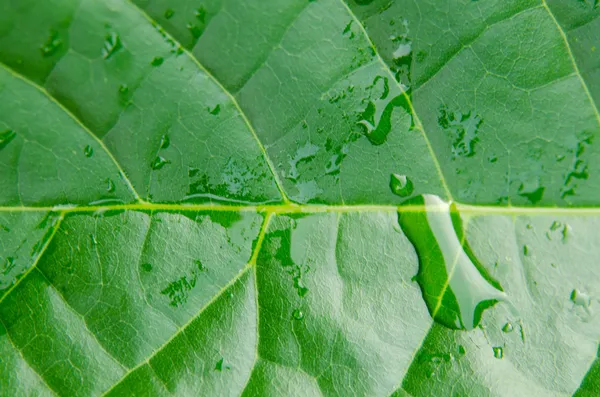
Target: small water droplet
(147, 267)
(112, 44)
(52, 44)
(110, 186)
(463, 129)
(197, 28)
(215, 111)
(159, 162)
(580, 298)
(498, 352)
(401, 185)
(157, 61)
(219, 365)
(88, 151)
(165, 141)
(169, 13)
(508, 327)
(297, 314)
(6, 137)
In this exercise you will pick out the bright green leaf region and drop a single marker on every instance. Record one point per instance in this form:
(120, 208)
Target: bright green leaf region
(299, 198)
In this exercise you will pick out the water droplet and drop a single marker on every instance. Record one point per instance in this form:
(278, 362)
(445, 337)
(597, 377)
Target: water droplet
(6, 137)
(508, 327)
(159, 162)
(454, 284)
(581, 299)
(52, 44)
(376, 118)
(297, 314)
(215, 111)
(165, 141)
(498, 352)
(147, 267)
(157, 61)
(348, 30)
(169, 13)
(401, 185)
(110, 186)
(88, 151)
(532, 191)
(579, 166)
(462, 129)
(8, 265)
(112, 44)
(197, 28)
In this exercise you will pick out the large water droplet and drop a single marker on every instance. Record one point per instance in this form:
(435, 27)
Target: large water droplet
(401, 185)
(455, 286)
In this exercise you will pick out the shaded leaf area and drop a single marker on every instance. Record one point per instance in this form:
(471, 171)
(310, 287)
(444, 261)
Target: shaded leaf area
(307, 318)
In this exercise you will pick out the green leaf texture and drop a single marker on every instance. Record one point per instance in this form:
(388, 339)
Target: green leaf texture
(299, 198)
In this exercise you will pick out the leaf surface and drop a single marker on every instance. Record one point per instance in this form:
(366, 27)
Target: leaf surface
(294, 197)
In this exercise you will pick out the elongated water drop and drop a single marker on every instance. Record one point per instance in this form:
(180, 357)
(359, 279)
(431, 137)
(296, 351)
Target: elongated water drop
(455, 286)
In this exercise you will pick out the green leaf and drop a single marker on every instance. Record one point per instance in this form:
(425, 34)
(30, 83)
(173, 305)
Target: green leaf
(299, 197)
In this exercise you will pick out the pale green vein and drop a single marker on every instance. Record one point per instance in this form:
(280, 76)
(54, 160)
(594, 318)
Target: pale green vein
(35, 263)
(416, 120)
(572, 58)
(248, 267)
(223, 89)
(79, 122)
(39, 376)
(478, 210)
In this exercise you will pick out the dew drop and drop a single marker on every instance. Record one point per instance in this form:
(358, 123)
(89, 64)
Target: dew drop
(159, 162)
(110, 186)
(581, 299)
(498, 352)
(401, 185)
(165, 141)
(157, 61)
(215, 111)
(297, 314)
(112, 44)
(52, 45)
(88, 151)
(508, 327)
